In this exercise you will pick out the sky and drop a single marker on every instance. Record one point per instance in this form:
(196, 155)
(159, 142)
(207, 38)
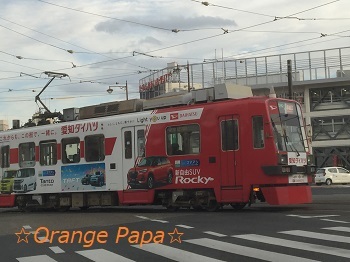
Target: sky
(100, 43)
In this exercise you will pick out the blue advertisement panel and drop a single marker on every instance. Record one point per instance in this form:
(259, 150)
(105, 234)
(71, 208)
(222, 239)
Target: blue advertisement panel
(83, 177)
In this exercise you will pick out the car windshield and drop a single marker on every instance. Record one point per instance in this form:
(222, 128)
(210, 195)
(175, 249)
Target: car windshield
(9, 174)
(320, 171)
(25, 172)
(147, 161)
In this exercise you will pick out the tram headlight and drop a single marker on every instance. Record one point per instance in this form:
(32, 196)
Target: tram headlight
(282, 159)
(310, 160)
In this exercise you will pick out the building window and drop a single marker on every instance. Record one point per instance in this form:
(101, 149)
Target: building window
(48, 153)
(70, 150)
(94, 148)
(5, 156)
(229, 135)
(258, 132)
(183, 140)
(26, 153)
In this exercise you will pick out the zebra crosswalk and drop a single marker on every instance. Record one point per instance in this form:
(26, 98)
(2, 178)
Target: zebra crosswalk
(292, 245)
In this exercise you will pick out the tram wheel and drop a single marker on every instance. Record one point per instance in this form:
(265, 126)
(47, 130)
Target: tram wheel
(212, 206)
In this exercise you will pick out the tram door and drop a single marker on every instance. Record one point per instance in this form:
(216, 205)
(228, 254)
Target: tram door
(230, 151)
(133, 149)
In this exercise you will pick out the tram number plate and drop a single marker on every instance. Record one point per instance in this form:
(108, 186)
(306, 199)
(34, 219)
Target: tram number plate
(297, 178)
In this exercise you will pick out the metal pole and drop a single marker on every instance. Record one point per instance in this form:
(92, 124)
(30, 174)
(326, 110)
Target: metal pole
(289, 66)
(126, 90)
(188, 77)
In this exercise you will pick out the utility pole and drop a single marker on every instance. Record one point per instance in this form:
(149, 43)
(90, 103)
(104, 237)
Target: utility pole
(188, 78)
(289, 74)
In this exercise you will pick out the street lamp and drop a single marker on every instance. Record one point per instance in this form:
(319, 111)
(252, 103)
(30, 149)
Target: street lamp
(125, 88)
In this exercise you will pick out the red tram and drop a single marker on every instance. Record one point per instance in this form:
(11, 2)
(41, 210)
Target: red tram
(199, 155)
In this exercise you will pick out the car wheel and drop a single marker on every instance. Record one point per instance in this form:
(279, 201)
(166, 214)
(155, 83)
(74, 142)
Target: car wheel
(328, 182)
(35, 186)
(150, 182)
(170, 177)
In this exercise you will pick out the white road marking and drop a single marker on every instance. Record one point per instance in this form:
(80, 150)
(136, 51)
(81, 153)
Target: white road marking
(102, 255)
(215, 234)
(336, 221)
(27, 227)
(160, 221)
(175, 253)
(184, 226)
(142, 217)
(314, 235)
(342, 229)
(297, 245)
(42, 238)
(246, 251)
(319, 216)
(40, 258)
(57, 250)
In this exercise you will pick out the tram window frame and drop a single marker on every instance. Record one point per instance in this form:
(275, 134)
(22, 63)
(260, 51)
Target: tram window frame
(76, 156)
(183, 140)
(229, 143)
(26, 154)
(94, 148)
(5, 156)
(48, 152)
(258, 132)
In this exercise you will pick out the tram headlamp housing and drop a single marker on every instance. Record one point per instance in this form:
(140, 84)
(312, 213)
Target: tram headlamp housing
(282, 159)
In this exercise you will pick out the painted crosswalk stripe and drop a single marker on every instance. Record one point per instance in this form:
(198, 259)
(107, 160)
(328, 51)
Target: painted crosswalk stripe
(43, 239)
(245, 251)
(41, 258)
(214, 234)
(342, 229)
(57, 250)
(102, 255)
(296, 245)
(27, 227)
(175, 253)
(322, 236)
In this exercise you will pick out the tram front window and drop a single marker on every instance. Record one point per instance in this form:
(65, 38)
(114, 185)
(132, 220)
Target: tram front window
(287, 125)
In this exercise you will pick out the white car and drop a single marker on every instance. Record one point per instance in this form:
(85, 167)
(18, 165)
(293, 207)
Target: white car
(332, 175)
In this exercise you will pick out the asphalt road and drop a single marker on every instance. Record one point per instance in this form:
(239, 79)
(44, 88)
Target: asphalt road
(313, 232)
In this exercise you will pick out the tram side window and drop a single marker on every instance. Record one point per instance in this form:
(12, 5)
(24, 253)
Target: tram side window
(141, 143)
(5, 156)
(70, 150)
(229, 135)
(183, 140)
(258, 132)
(128, 144)
(26, 153)
(48, 152)
(94, 148)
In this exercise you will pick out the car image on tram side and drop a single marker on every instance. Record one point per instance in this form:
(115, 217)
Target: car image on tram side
(226, 152)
